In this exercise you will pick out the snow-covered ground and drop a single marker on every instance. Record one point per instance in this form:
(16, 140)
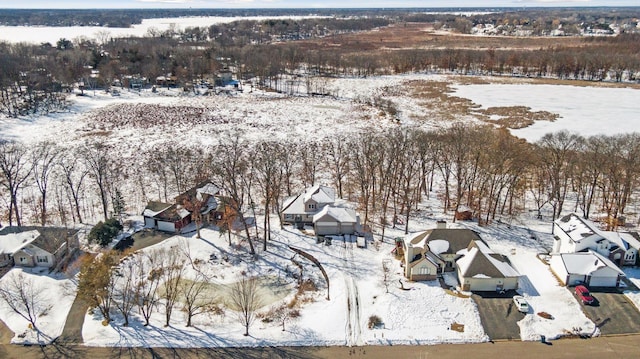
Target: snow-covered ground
(55, 294)
(587, 111)
(423, 314)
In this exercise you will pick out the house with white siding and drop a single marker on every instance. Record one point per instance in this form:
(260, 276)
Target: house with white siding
(590, 268)
(573, 234)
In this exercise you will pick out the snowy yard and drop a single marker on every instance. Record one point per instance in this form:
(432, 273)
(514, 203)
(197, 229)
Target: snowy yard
(424, 313)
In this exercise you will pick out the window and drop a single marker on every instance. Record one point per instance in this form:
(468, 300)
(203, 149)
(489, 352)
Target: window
(424, 270)
(312, 206)
(43, 259)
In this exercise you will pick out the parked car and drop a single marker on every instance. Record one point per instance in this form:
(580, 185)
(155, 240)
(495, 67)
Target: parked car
(583, 293)
(521, 303)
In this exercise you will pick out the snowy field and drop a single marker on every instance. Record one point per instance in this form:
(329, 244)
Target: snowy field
(51, 34)
(588, 111)
(423, 314)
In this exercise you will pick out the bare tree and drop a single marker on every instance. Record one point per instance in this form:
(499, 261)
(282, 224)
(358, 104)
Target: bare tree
(268, 172)
(172, 273)
(100, 169)
(24, 297)
(15, 167)
(386, 274)
(147, 284)
(125, 290)
(74, 173)
(45, 156)
(229, 170)
(245, 301)
(196, 294)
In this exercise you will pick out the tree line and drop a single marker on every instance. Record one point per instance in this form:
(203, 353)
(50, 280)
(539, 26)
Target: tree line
(387, 174)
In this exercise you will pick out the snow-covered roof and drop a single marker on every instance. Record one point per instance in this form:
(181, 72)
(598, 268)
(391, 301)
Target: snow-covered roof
(417, 239)
(577, 228)
(585, 263)
(342, 215)
(208, 188)
(616, 238)
(211, 205)
(438, 246)
(320, 194)
(13, 242)
(154, 208)
(481, 262)
(631, 239)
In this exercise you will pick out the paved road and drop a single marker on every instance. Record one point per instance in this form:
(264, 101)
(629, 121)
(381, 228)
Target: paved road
(611, 347)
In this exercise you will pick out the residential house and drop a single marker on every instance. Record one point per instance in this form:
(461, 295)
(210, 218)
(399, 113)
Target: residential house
(590, 268)
(37, 246)
(301, 208)
(573, 234)
(427, 254)
(480, 269)
(173, 217)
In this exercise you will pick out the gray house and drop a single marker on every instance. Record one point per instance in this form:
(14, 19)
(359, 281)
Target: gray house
(49, 247)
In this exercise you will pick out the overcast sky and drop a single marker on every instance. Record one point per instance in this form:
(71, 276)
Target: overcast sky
(84, 4)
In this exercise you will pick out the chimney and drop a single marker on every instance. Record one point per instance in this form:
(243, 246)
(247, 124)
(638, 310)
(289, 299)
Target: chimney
(441, 225)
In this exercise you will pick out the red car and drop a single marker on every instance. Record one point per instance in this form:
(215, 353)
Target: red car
(583, 293)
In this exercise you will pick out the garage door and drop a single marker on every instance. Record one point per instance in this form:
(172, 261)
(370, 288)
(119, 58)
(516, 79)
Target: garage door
(484, 285)
(149, 222)
(166, 226)
(326, 228)
(603, 281)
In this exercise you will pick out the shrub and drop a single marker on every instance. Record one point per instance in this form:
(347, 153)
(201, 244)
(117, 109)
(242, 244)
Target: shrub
(374, 321)
(104, 232)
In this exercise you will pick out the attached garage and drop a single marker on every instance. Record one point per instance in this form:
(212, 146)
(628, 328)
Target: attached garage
(590, 268)
(335, 221)
(166, 226)
(481, 270)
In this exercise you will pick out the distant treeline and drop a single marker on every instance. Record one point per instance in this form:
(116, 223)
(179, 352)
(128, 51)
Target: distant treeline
(532, 17)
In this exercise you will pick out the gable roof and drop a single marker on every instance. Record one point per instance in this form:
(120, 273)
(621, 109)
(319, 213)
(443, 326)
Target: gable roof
(480, 262)
(578, 228)
(48, 238)
(585, 263)
(322, 195)
(339, 214)
(12, 242)
(153, 208)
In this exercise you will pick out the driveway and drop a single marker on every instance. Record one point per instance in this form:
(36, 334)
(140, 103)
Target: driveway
(613, 313)
(498, 314)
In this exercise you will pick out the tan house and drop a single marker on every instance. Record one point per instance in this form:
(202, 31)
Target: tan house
(427, 254)
(37, 246)
(482, 270)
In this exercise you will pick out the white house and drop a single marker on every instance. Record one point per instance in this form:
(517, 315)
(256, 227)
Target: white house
(301, 208)
(589, 267)
(573, 234)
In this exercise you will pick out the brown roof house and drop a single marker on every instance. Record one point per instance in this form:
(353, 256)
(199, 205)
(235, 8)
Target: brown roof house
(173, 217)
(49, 247)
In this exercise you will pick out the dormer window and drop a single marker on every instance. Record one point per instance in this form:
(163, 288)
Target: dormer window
(312, 206)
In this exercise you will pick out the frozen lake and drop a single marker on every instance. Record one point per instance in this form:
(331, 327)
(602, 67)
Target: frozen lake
(584, 110)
